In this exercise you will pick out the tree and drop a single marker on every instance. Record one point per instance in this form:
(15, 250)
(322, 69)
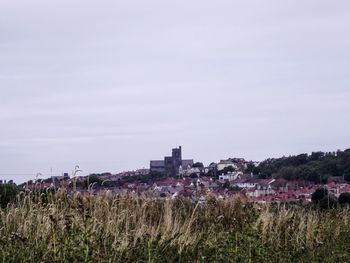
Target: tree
(318, 195)
(250, 167)
(211, 173)
(317, 167)
(301, 159)
(256, 170)
(324, 199)
(8, 193)
(227, 170)
(314, 176)
(198, 165)
(94, 179)
(344, 198)
(346, 174)
(287, 173)
(316, 156)
(329, 201)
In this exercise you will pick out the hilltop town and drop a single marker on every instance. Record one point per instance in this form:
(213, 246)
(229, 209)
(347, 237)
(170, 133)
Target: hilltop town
(273, 180)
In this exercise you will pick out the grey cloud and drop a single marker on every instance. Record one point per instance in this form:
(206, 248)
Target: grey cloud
(112, 84)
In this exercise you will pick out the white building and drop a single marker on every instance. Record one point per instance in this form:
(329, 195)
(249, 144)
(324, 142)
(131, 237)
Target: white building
(187, 171)
(231, 176)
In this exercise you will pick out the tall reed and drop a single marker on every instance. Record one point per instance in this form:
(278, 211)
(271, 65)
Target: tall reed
(56, 227)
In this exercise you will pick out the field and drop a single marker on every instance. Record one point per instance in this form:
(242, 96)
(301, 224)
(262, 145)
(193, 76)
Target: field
(61, 228)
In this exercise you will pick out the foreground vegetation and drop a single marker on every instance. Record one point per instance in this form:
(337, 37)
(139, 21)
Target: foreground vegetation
(61, 228)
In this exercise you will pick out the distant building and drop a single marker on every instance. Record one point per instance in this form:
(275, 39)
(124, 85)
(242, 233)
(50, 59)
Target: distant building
(157, 166)
(230, 176)
(189, 170)
(171, 164)
(64, 176)
(142, 171)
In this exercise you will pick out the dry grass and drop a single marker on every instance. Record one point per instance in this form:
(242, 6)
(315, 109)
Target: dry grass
(60, 228)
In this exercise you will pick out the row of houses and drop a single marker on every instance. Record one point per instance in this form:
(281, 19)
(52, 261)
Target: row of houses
(197, 188)
(188, 179)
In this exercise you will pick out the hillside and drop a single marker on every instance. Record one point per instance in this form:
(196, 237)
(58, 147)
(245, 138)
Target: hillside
(316, 167)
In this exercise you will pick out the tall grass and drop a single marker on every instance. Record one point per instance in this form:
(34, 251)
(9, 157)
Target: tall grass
(61, 228)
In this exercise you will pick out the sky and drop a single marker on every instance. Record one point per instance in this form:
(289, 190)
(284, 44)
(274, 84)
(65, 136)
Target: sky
(110, 85)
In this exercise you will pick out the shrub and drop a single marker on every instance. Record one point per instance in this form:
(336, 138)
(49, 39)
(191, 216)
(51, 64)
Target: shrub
(328, 202)
(344, 198)
(8, 193)
(319, 194)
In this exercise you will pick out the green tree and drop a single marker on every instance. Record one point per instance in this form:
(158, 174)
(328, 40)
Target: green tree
(287, 173)
(226, 170)
(316, 156)
(318, 195)
(95, 179)
(346, 174)
(250, 168)
(8, 193)
(344, 198)
(328, 202)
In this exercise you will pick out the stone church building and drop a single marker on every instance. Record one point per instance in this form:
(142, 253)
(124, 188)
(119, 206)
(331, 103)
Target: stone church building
(171, 164)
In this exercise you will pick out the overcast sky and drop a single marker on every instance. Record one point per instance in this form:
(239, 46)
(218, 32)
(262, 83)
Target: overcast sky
(110, 85)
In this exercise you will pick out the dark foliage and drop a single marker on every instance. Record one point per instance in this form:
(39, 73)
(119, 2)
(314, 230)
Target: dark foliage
(198, 165)
(8, 193)
(344, 198)
(324, 199)
(328, 202)
(319, 194)
(316, 167)
(227, 170)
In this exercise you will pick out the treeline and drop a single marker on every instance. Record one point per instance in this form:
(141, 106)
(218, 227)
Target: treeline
(316, 167)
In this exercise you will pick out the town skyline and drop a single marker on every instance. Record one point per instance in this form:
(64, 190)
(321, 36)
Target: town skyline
(291, 179)
(44, 174)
